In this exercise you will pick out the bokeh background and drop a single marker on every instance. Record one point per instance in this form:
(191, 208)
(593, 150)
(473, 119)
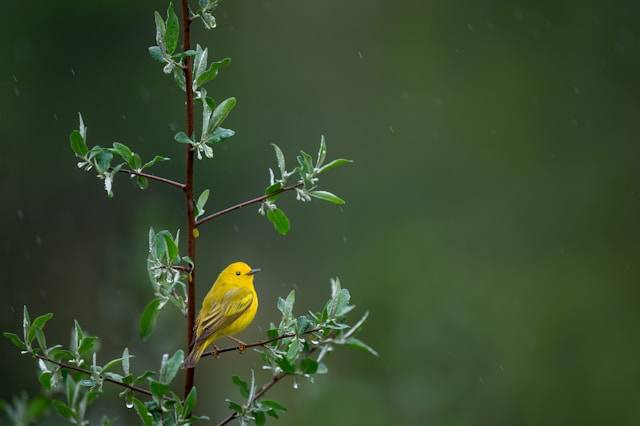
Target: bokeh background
(492, 225)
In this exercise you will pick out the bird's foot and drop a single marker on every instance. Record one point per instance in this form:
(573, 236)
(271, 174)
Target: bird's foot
(241, 345)
(216, 351)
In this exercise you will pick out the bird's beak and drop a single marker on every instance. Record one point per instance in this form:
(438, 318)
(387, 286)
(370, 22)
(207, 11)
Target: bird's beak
(253, 271)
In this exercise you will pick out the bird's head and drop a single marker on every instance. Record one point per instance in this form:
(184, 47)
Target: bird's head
(239, 273)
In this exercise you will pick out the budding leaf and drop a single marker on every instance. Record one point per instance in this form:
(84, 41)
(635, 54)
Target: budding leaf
(156, 53)
(171, 367)
(182, 137)
(243, 387)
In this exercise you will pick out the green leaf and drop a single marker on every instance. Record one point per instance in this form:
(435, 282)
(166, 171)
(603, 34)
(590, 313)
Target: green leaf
(333, 164)
(211, 73)
(309, 366)
(158, 389)
(135, 162)
(259, 417)
(276, 188)
(87, 344)
(142, 182)
(148, 319)
(285, 365)
(15, 340)
(279, 220)
(273, 404)
(38, 324)
(156, 53)
(156, 159)
(173, 29)
(234, 406)
(45, 380)
(189, 403)
(327, 196)
(359, 344)
(182, 137)
(78, 144)
(62, 408)
(202, 200)
(221, 112)
(173, 253)
(171, 367)
(289, 302)
(160, 31)
(123, 151)
(243, 387)
(143, 412)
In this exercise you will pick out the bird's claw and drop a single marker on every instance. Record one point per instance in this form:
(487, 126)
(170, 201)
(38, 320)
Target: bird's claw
(216, 351)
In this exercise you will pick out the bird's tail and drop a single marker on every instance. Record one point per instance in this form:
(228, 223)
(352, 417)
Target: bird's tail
(194, 356)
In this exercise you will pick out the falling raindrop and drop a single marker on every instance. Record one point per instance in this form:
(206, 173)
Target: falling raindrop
(16, 91)
(129, 404)
(295, 384)
(55, 116)
(360, 55)
(73, 72)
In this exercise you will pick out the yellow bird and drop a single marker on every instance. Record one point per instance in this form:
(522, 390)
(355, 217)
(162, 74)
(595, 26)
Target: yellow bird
(228, 308)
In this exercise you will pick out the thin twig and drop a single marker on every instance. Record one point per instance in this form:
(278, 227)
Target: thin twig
(188, 190)
(245, 203)
(154, 177)
(253, 345)
(87, 372)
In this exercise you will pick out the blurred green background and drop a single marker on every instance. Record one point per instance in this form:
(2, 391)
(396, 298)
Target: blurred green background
(493, 210)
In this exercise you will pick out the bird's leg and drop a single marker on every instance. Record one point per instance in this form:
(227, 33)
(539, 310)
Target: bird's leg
(241, 345)
(216, 351)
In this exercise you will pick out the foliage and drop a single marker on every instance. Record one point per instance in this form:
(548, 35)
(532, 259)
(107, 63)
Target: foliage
(72, 377)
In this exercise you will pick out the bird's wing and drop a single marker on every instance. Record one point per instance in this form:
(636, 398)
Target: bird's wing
(233, 304)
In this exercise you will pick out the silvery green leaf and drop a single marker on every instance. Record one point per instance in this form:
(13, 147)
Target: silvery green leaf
(322, 152)
(82, 128)
(168, 69)
(281, 161)
(178, 76)
(327, 196)
(208, 20)
(208, 151)
(202, 200)
(182, 137)
(357, 343)
(209, 74)
(156, 159)
(156, 53)
(200, 61)
(220, 134)
(221, 112)
(334, 164)
(160, 31)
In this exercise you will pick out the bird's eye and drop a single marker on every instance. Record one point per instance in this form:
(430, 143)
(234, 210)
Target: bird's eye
(238, 273)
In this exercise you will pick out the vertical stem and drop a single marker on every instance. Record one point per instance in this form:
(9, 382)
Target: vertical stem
(188, 190)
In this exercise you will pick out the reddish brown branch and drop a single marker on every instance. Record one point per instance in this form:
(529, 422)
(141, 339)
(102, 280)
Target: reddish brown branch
(245, 203)
(191, 225)
(253, 345)
(87, 372)
(154, 177)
